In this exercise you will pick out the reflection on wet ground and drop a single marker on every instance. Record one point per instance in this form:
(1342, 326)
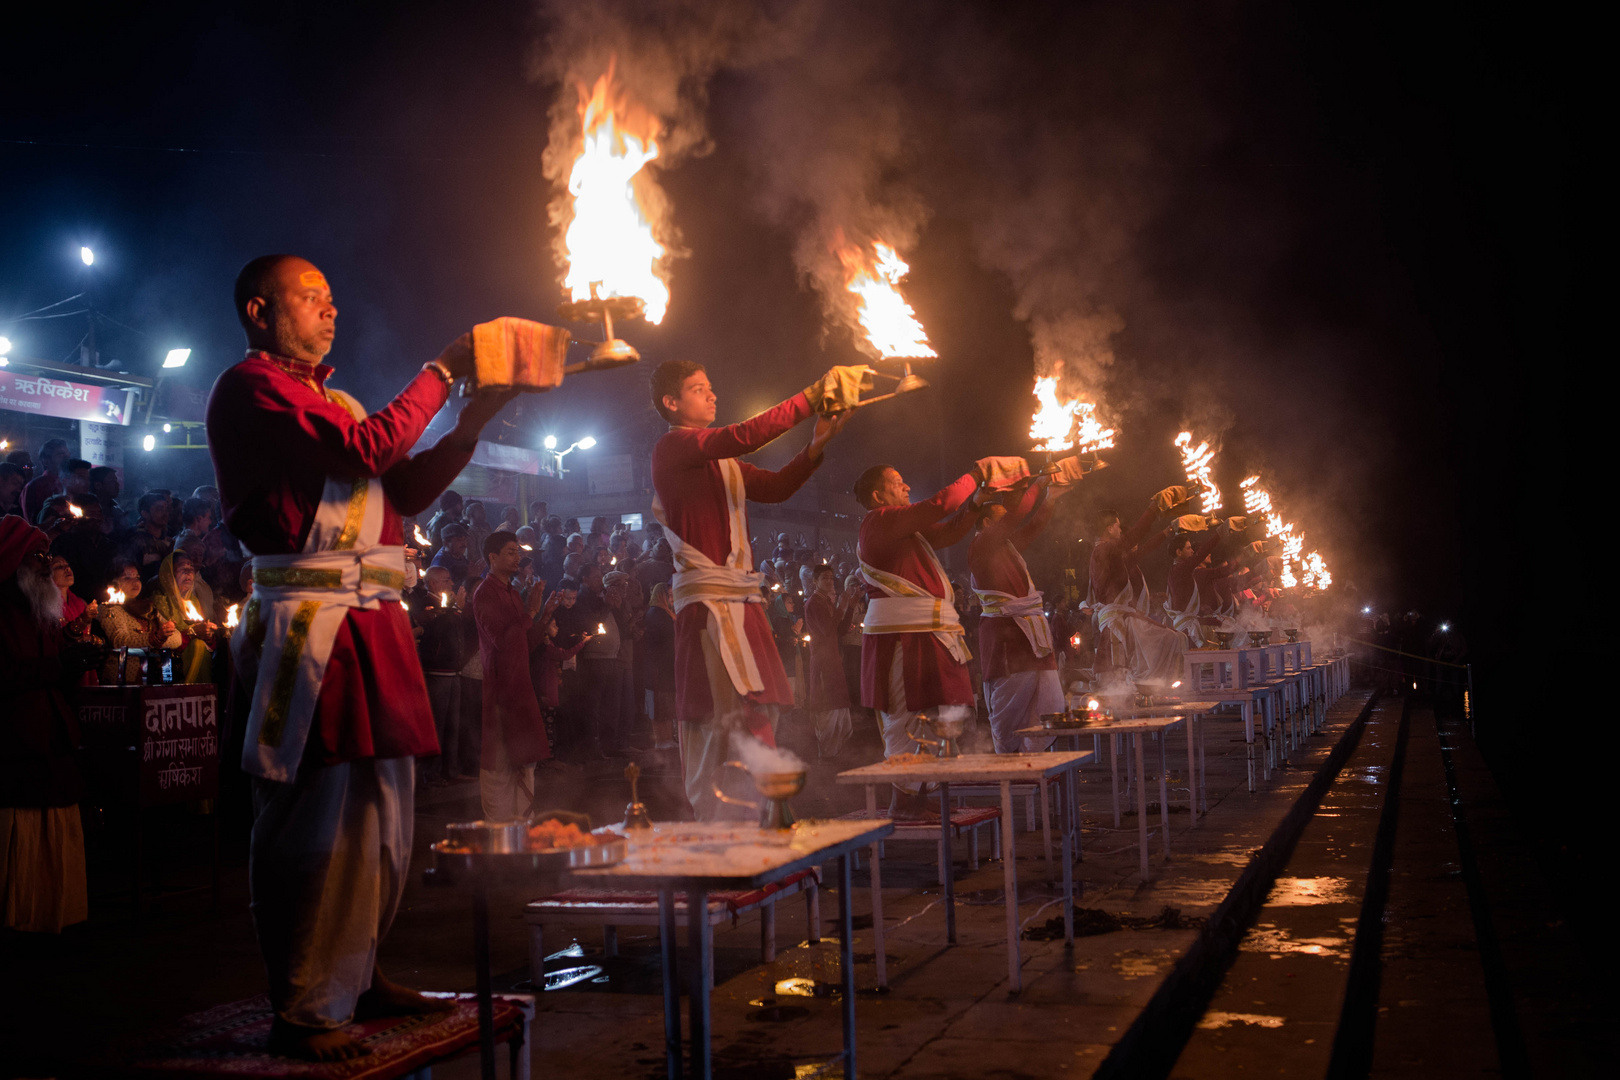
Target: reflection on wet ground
(1297, 892)
(1277, 942)
(1227, 1019)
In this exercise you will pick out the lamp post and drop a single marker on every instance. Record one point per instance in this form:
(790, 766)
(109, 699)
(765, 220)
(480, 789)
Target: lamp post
(550, 444)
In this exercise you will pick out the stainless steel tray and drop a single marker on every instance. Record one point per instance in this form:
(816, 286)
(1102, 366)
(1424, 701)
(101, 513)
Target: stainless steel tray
(529, 864)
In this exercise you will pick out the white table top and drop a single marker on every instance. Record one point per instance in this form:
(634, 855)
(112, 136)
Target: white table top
(969, 768)
(729, 855)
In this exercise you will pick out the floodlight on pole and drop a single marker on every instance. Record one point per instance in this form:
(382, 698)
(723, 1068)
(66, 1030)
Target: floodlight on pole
(5, 345)
(87, 256)
(177, 358)
(550, 441)
(149, 443)
(587, 442)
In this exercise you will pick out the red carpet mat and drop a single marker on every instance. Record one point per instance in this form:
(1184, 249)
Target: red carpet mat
(231, 1040)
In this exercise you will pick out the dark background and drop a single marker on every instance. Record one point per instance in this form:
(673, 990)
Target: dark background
(1339, 236)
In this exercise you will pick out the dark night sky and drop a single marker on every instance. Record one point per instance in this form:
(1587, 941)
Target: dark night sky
(1334, 234)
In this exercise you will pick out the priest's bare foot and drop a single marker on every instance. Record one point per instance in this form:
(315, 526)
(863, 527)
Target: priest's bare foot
(388, 998)
(312, 1044)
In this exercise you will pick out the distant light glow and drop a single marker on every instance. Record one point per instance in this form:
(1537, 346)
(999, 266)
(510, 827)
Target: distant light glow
(1444, 627)
(167, 429)
(1366, 611)
(587, 442)
(5, 345)
(551, 442)
(177, 358)
(149, 443)
(87, 256)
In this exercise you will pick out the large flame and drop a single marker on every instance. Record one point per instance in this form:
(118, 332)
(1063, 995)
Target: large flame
(1195, 462)
(1257, 503)
(610, 242)
(874, 276)
(1065, 425)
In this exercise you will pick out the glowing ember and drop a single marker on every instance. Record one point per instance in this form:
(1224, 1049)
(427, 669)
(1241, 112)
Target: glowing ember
(115, 595)
(422, 538)
(609, 240)
(1195, 462)
(232, 616)
(891, 326)
(1065, 425)
(192, 613)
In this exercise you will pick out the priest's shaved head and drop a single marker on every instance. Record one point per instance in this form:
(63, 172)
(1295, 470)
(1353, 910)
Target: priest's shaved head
(285, 305)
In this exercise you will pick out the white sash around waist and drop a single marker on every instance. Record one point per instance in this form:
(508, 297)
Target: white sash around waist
(907, 608)
(1029, 612)
(1186, 620)
(723, 590)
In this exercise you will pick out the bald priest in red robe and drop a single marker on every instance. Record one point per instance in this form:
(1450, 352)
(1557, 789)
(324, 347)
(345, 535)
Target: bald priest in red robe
(728, 673)
(914, 651)
(315, 488)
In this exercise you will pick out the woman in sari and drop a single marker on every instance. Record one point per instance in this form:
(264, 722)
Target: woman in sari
(177, 582)
(132, 624)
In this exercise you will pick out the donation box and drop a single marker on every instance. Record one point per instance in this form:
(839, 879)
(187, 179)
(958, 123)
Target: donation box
(153, 745)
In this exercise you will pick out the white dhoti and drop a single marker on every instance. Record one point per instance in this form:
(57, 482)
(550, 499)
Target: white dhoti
(327, 866)
(505, 791)
(706, 747)
(833, 729)
(42, 881)
(899, 720)
(1017, 701)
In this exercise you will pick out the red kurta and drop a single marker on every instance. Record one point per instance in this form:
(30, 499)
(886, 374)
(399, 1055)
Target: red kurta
(932, 675)
(995, 566)
(506, 633)
(1113, 562)
(828, 689)
(275, 437)
(686, 475)
(1184, 573)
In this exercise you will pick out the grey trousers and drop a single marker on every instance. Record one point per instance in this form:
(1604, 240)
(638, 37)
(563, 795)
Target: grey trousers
(327, 865)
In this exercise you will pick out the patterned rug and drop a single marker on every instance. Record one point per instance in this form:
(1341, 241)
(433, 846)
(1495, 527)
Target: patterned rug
(231, 1041)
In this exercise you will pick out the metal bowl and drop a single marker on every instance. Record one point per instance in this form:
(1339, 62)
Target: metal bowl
(1221, 639)
(488, 837)
(1292, 635)
(783, 785)
(1259, 638)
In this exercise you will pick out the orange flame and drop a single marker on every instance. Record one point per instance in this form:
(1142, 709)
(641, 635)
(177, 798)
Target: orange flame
(115, 595)
(192, 613)
(74, 510)
(1195, 462)
(1065, 425)
(231, 616)
(609, 240)
(890, 325)
(422, 538)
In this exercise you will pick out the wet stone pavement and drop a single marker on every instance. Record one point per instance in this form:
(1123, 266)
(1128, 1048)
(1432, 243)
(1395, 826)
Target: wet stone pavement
(1278, 1001)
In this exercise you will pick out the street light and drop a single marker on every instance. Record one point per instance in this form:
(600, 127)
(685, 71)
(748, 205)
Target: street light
(551, 440)
(583, 444)
(177, 358)
(586, 443)
(87, 256)
(5, 345)
(149, 443)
